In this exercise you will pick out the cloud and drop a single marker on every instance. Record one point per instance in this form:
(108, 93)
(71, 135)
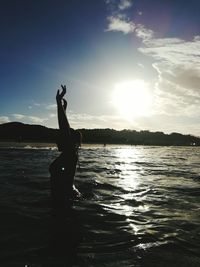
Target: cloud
(178, 67)
(118, 24)
(4, 119)
(43, 105)
(29, 119)
(119, 5)
(143, 33)
(82, 120)
(19, 116)
(121, 24)
(118, 21)
(125, 4)
(50, 106)
(52, 115)
(174, 50)
(35, 119)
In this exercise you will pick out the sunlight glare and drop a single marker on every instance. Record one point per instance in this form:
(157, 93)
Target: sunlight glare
(132, 99)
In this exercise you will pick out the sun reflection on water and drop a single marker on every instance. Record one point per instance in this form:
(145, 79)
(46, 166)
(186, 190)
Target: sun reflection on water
(128, 176)
(127, 179)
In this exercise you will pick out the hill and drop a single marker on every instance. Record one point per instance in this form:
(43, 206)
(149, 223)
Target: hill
(19, 132)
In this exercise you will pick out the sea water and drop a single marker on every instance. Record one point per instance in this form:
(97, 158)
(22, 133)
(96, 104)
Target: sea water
(140, 206)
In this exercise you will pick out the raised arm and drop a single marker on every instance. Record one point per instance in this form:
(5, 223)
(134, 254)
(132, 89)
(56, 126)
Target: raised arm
(62, 118)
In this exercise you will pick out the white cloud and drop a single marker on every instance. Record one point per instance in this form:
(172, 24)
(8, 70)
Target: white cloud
(119, 21)
(43, 105)
(52, 115)
(29, 119)
(4, 119)
(178, 84)
(125, 4)
(159, 42)
(50, 106)
(78, 120)
(35, 119)
(121, 25)
(143, 33)
(19, 116)
(119, 5)
(174, 51)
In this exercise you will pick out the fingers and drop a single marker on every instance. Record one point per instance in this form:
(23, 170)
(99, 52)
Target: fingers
(64, 101)
(63, 90)
(59, 96)
(63, 87)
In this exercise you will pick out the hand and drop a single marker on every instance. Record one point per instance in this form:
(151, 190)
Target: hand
(59, 95)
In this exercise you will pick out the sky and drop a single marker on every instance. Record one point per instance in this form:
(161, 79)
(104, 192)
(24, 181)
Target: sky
(127, 64)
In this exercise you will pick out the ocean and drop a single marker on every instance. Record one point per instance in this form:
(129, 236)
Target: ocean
(140, 207)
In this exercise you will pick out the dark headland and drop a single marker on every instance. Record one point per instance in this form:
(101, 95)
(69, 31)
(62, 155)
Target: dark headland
(19, 132)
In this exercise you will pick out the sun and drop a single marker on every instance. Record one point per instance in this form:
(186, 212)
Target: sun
(132, 99)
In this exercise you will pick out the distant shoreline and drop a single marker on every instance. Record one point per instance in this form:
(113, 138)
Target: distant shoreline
(26, 133)
(52, 146)
(12, 144)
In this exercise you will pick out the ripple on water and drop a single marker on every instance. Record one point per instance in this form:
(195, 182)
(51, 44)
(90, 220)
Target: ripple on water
(140, 207)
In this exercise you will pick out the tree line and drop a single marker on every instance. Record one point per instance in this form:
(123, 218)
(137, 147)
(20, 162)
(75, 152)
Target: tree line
(19, 132)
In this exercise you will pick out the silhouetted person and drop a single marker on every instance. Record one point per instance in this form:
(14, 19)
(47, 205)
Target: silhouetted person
(63, 168)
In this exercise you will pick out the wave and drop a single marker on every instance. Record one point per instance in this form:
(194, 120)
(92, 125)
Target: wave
(140, 207)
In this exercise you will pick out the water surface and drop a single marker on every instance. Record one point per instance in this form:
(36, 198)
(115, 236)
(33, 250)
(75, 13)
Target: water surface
(140, 207)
